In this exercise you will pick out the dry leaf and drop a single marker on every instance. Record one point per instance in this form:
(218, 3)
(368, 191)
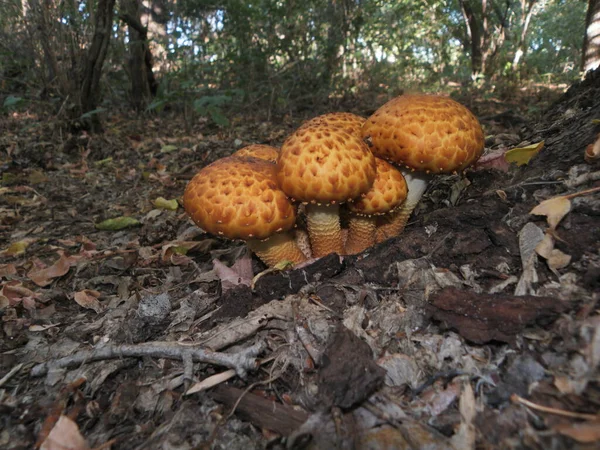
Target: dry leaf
(7, 270)
(17, 248)
(64, 435)
(586, 432)
(43, 277)
(522, 155)
(554, 209)
(88, 298)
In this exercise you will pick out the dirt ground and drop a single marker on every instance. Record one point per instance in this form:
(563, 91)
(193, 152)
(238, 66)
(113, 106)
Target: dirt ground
(478, 327)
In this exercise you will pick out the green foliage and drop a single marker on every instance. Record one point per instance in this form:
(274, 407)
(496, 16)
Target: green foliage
(213, 56)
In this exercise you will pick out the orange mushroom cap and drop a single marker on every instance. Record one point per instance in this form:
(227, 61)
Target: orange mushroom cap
(351, 123)
(320, 163)
(238, 197)
(389, 190)
(259, 151)
(425, 132)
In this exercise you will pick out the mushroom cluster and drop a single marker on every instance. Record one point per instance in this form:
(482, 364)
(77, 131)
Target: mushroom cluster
(376, 169)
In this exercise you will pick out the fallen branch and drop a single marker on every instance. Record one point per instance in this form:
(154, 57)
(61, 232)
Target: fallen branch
(241, 362)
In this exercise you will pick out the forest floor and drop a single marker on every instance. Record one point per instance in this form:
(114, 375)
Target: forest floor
(127, 334)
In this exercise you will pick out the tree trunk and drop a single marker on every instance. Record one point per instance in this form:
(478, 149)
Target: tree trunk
(591, 40)
(143, 83)
(475, 37)
(90, 85)
(527, 10)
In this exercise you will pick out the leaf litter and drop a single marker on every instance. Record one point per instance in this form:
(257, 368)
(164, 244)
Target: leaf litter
(453, 337)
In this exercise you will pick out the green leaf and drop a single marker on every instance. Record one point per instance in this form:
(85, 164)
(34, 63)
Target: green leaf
(117, 223)
(11, 100)
(168, 148)
(92, 113)
(163, 203)
(218, 117)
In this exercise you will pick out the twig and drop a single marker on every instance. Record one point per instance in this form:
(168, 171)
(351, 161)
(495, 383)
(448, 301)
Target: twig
(242, 361)
(10, 374)
(559, 412)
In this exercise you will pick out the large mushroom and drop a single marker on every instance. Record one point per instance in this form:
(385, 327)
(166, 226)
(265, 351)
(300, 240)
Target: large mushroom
(323, 166)
(387, 193)
(351, 123)
(426, 134)
(259, 151)
(238, 197)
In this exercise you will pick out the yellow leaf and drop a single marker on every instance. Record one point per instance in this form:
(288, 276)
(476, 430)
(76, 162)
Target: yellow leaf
(18, 248)
(163, 203)
(554, 209)
(595, 121)
(522, 155)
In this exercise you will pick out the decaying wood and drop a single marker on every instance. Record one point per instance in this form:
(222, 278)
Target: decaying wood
(485, 317)
(262, 412)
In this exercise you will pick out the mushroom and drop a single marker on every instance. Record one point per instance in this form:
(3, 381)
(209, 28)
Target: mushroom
(426, 134)
(323, 166)
(387, 193)
(238, 197)
(348, 122)
(259, 151)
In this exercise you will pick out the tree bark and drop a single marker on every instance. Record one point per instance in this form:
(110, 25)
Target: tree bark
(591, 40)
(475, 37)
(90, 86)
(140, 61)
(527, 10)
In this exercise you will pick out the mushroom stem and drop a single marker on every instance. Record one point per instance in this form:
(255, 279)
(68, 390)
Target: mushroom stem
(277, 248)
(324, 229)
(393, 223)
(361, 233)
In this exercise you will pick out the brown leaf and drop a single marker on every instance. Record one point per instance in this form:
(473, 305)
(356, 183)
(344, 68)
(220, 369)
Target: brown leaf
(65, 435)
(586, 432)
(88, 298)
(43, 277)
(554, 209)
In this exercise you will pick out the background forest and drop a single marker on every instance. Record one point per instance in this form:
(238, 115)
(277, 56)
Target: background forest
(205, 57)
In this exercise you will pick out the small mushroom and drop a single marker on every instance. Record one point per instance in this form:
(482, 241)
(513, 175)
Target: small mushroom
(387, 193)
(324, 166)
(426, 134)
(238, 197)
(259, 151)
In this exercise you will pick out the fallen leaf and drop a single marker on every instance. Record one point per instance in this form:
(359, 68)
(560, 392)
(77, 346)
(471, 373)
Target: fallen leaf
(522, 155)
(168, 148)
(163, 203)
(554, 209)
(65, 435)
(88, 298)
(585, 432)
(18, 248)
(43, 277)
(7, 269)
(493, 160)
(117, 223)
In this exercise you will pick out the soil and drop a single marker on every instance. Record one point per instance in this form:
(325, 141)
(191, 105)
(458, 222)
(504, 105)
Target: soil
(455, 334)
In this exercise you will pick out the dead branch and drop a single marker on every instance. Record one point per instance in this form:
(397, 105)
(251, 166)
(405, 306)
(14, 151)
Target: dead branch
(242, 361)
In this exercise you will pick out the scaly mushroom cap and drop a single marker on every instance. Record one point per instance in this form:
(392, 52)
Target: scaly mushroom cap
(238, 197)
(324, 164)
(259, 151)
(351, 123)
(425, 132)
(388, 191)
